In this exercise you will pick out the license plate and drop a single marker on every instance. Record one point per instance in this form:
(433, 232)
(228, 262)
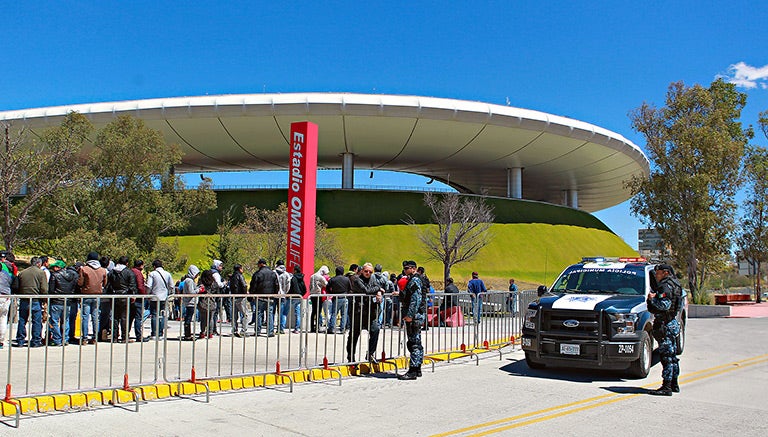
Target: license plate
(570, 349)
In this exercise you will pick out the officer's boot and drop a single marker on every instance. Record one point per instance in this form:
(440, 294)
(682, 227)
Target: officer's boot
(675, 386)
(664, 390)
(418, 371)
(411, 375)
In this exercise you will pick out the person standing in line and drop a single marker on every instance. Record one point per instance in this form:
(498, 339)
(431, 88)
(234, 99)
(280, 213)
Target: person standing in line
(665, 303)
(317, 283)
(263, 285)
(32, 282)
(296, 291)
(122, 282)
(411, 297)
(92, 280)
(338, 288)
(512, 298)
(7, 279)
(205, 303)
(138, 304)
(237, 285)
(189, 287)
(284, 283)
(63, 282)
(382, 279)
(476, 288)
(159, 284)
(219, 287)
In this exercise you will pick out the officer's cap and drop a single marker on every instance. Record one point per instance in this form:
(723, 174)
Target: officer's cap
(409, 264)
(666, 267)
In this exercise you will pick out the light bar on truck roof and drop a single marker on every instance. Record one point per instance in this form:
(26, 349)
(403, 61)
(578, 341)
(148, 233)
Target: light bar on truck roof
(600, 259)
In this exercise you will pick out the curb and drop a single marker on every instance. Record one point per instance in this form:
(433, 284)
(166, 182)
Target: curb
(104, 397)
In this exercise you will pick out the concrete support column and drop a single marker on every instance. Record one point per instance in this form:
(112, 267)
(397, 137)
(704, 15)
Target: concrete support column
(515, 183)
(347, 171)
(573, 198)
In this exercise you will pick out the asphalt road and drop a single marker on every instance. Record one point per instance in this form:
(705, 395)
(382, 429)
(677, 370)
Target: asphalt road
(724, 377)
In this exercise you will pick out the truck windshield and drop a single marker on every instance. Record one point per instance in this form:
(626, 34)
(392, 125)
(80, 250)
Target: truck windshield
(578, 279)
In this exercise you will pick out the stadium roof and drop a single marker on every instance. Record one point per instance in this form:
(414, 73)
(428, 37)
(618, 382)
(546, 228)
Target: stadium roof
(468, 145)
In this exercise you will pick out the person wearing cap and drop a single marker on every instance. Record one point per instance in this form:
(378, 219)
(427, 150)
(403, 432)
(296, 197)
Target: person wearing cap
(264, 282)
(476, 288)
(62, 282)
(32, 282)
(237, 285)
(664, 304)
(7, 279)
(220, 286)
(411, 297)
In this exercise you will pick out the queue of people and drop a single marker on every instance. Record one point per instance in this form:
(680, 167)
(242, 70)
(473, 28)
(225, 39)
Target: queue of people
(347, 303)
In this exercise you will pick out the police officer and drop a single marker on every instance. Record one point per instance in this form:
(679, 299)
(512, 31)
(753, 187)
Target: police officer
(664, 304)
(414, 315)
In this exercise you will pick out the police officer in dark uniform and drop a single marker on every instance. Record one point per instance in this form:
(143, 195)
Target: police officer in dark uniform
(664, 304)
(414, 314)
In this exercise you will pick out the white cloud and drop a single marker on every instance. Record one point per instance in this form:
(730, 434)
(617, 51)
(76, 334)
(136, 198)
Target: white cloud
(747, 76)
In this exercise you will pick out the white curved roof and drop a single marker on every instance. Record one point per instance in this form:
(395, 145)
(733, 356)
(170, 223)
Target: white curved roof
(466, 144)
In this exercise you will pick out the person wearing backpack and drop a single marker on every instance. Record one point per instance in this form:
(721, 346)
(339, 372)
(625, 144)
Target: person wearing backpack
(159, 284)
(122, 282)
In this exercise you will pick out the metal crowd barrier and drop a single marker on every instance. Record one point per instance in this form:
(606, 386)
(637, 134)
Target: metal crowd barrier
(222, 338)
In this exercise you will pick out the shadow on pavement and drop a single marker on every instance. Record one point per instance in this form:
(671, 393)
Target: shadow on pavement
(520, 368)
(627, 390)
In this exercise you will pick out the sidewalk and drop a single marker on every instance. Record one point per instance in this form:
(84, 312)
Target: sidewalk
(754, 310)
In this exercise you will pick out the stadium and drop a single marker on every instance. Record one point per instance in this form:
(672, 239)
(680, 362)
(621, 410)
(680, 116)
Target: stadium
(534, 167)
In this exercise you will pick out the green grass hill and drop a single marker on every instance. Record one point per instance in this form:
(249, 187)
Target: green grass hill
(532, 253)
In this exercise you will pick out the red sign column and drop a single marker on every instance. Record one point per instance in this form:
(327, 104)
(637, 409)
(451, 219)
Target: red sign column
(302, 198)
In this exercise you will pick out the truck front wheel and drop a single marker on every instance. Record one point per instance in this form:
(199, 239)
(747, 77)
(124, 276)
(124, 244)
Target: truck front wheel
(641, 367)
(531, 363)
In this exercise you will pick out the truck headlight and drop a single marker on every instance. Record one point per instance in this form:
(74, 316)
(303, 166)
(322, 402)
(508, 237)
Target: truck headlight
(624, 322)
(530, 316)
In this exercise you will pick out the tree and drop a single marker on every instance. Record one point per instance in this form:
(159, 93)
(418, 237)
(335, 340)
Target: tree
(265, 234)
(753, 238)
(695, 146)
(131, 190)
(37, 169)
(460, 228)
(227, 247)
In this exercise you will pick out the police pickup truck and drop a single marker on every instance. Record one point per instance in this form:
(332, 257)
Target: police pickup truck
(595, 316)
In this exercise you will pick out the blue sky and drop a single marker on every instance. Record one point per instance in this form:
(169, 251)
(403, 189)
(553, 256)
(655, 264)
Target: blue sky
(592, 61)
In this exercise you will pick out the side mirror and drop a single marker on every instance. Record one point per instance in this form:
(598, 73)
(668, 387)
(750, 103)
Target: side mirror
(541, 290)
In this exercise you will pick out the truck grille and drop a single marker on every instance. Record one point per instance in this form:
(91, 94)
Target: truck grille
(588, 328)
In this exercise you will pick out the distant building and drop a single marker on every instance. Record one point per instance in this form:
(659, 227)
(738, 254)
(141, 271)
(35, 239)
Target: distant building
(650, 244)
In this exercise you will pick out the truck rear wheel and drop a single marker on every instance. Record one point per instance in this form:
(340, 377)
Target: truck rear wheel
(642, 366)
(531, 363)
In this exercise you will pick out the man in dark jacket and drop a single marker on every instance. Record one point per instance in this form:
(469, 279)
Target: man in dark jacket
(237, 285)
(122, 281)
(296, 291)
(364, 314)
(264, 282)
(63, 281)
(339, 287)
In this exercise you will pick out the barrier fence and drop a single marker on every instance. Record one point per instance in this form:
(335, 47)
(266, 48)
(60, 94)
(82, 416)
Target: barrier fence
(138, 341)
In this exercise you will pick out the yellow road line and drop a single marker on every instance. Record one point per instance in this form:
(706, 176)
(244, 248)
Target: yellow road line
(586, 404)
